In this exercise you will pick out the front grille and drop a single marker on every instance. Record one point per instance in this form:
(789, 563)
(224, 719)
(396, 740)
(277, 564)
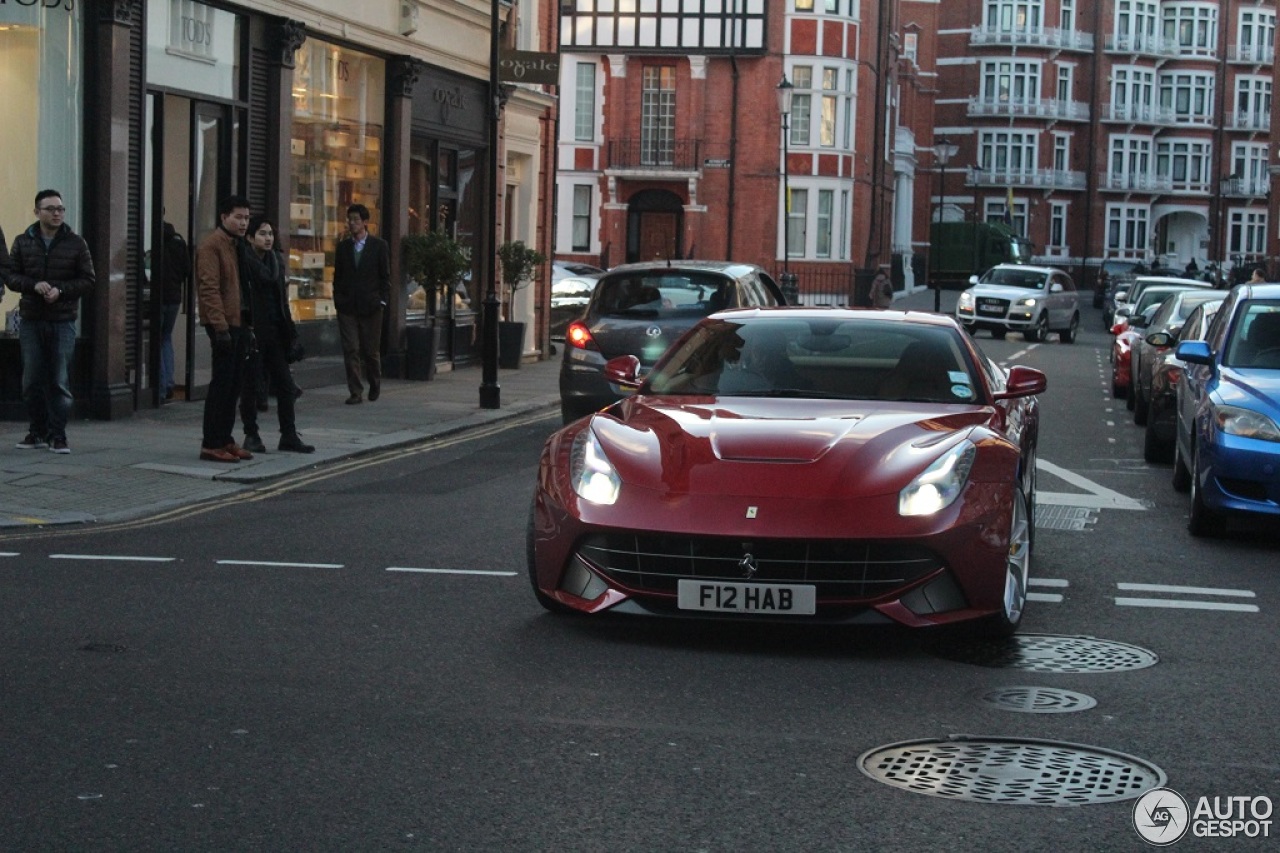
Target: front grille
(841, 570)
(989, 306)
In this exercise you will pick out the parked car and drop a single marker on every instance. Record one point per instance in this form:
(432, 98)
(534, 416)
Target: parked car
(1126, 299)
(1021, 298)
(1227, 447)
(1166, 370)
(1112, 271)
(1125, 336)
(571, 287)
(807, 464)
(640, 309)
(1168, 318)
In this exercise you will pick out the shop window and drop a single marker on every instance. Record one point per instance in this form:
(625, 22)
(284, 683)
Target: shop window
(338, 103)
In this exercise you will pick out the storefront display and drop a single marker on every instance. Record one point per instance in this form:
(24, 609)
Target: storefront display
(337, 161)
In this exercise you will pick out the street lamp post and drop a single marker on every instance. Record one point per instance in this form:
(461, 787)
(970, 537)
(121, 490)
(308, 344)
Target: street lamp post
(788, 283)
(943, 151)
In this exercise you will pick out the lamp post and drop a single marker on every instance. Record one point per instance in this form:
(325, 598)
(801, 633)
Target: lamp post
(490, 390)
(943, 151)
(788, 283)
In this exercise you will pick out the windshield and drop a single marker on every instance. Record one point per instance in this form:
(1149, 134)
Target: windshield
(1011, 277)
(1255, 338)
(820, 359)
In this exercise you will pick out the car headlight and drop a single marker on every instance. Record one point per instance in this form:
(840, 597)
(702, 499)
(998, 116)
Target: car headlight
(1029, 302)
(1234, 420)
(593, 475)
(966, 300)
(939, 484)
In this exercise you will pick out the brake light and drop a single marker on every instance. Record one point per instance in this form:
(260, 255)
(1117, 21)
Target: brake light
(578, 335)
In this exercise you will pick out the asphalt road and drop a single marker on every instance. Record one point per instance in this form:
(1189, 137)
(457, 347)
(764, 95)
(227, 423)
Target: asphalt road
(353, 660)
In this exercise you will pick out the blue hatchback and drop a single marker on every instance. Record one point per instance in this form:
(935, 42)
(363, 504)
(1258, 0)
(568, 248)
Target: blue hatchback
(1228, 435)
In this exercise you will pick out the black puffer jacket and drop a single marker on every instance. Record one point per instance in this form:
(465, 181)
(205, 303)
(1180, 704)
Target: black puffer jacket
(65, 264)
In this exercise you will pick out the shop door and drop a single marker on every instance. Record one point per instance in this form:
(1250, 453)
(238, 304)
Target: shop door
(190, 167)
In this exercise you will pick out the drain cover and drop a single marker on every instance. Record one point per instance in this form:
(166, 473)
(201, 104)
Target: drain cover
(1049, 653)
(1012, 771)
(1038, 700)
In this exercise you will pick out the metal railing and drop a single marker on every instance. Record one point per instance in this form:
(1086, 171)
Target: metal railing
(678, 155)
(1029, 108)
(1051, 37)
(1046, 178)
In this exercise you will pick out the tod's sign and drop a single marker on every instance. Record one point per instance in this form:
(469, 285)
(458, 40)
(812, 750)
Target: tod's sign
(69, 5)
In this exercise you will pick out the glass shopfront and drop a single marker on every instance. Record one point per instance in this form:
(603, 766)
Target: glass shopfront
(338, 121)
(41, 98)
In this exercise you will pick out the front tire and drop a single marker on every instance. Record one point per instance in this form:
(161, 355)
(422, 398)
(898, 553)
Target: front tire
(1068, 335)
(1141, 408)
(531, 563)
(1153, 448)
(1039, 331)
(1017, 569)
(1203, 521)
(1181, 473)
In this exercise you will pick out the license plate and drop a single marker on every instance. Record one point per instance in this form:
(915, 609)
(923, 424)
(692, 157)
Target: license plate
(788, 599)
(990, 309)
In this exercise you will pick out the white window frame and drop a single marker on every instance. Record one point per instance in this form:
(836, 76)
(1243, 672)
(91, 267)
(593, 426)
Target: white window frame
(801, 106)
(1247, 231)
(1192, 27)
(1056, 245)
(584, 206)
(1185, 162)
(1188, 94)
(584, 102)
(1011, 81)
(1008, 152)
(1129, 230)
(1256, 34)
(1014, 15)
(1062, 152)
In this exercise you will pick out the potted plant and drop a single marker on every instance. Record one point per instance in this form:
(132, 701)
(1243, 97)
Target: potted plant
(519, 263)
(436, 262)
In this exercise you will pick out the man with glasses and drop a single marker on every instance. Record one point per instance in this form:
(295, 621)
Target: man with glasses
(52, 269)
(361, 290)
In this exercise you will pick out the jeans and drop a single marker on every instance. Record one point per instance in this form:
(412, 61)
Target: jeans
(272, 365)
(47, 347)
(224, 390)
(166, 348)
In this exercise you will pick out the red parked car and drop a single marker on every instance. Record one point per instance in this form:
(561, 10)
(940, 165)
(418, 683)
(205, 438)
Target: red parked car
(801, 464)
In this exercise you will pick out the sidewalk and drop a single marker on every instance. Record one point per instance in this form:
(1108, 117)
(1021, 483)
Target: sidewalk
(149, 462)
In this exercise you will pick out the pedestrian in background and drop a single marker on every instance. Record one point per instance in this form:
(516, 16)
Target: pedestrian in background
(219, 289)
(5, 265)
(274, 334)
(51, 267)
(1258, 277)
(174, 272)
(361, 290)
(881, 291)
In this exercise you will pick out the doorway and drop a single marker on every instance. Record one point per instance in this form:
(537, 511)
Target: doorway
(654, 226)
(190, 167)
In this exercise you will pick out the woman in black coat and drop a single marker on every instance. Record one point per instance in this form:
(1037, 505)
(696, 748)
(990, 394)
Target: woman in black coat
(265, 294)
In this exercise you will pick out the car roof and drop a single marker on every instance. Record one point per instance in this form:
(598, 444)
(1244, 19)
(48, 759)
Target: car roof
(1169, 279)
(1029, 267)
(825, 312)
(1259, 291)
(730, 268)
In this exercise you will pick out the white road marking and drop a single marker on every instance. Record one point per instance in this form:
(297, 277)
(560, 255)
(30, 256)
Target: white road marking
(1048, 597)
(279, 565)
(1098, 497)
(112, 557)
(451, 571)
(1185, 605)
(1188, 590)
(8, 553)
(1054, 582)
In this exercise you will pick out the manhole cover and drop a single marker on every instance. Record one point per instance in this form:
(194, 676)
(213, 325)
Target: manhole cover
(1049, 653)
(1012, 771)
(1038, 700)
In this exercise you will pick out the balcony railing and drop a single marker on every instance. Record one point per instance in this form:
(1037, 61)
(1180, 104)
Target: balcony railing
(1252, 53)
(1155, 45)
(1245, 187)
(1050, 37)
(1162, 184)
(1153, 114)
(1044, 178)
(1029, 108)
(679, 155)
(1260, 120)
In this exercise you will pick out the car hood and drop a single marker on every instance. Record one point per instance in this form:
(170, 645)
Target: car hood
(1004, 291)
(800, 448)
(1252, 388)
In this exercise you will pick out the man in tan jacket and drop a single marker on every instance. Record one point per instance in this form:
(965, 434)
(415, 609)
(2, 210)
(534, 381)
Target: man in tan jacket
(218, 290)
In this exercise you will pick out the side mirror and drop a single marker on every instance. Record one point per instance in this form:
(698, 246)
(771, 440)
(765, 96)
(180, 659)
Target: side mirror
(1056, 287)
(1023, 382)
(623, 371)
(1194, 352)
(1138, 322)
(1160, 339)
(973, 279)
(1121, 295)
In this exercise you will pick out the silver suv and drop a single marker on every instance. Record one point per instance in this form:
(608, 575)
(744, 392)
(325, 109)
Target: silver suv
(1021, 298)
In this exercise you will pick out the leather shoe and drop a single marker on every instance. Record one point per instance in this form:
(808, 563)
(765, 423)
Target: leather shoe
(217, 454)
(237, 451)
(295, 444)
(354, 399)
(254, 443)
(375, 389)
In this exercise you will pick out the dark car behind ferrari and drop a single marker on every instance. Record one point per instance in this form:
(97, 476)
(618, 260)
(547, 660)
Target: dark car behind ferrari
(640, 310)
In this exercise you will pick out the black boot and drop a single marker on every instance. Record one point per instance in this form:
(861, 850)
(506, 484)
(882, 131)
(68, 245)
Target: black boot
(253, 443)
(293, 443)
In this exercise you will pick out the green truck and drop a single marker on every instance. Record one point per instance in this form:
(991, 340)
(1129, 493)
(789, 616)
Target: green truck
(961, 249)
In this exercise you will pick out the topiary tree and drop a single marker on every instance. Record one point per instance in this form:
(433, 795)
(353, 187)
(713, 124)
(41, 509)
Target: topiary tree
(434, 260)
(519, 262)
